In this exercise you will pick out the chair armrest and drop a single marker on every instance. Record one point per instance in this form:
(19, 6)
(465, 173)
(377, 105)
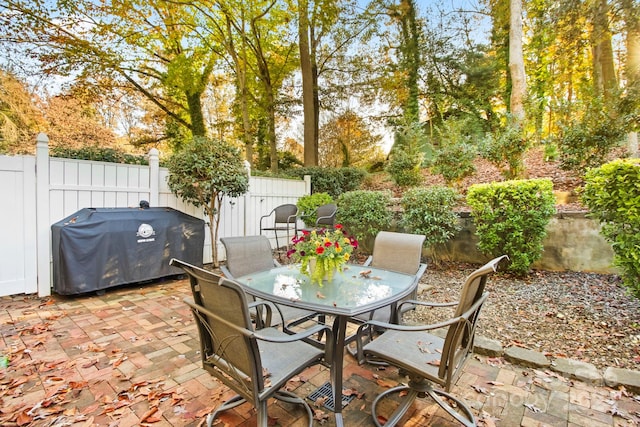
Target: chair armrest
(297, 336)
(367, 262)
(426, 304)
(269, 315)
(362, 334)
(421, 269)
(226, 273)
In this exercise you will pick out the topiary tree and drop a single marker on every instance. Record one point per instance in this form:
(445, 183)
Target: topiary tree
(612, 194)
(202, 172)
(429, 211)
(364, 213)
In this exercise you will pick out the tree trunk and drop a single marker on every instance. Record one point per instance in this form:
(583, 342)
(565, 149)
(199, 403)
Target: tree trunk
(271, 127)
(195, 114)
(516, 62)
(603, 67)
(308, 94)
(632, 66)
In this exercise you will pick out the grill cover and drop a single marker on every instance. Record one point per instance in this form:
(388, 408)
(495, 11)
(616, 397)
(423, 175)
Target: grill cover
(98, 248)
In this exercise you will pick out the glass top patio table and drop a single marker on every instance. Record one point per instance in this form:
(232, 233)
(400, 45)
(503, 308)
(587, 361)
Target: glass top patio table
(351, 292)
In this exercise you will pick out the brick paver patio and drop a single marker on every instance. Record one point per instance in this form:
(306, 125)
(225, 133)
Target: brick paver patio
(131, 357)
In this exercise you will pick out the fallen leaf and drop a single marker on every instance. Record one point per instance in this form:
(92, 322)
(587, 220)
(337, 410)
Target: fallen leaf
(532, 407)
(148, 414)
(479, 389)
(383, 382)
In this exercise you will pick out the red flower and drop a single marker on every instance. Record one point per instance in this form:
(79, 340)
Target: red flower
(327, 244)
(338, 226)
(319, 250)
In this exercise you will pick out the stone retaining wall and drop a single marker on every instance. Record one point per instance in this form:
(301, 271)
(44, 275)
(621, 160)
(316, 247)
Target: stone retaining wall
(573, 243)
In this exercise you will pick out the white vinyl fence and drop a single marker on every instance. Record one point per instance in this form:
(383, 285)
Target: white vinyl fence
(39, 191)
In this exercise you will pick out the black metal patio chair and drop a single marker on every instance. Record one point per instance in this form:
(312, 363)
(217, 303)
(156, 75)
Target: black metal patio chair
(425, 357)
(255, 363)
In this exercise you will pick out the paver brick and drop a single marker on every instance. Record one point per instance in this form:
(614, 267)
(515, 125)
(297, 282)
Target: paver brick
(154, 329)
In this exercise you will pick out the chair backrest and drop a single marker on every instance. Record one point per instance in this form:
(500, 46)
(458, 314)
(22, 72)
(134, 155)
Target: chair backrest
(285, 214)
(247, 254)
(399, 252)
(326, 215)
(459, 340)
(228, 349)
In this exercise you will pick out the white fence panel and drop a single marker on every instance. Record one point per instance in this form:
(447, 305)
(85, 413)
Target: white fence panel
(77, 184)
(18, 259)
(72, 185)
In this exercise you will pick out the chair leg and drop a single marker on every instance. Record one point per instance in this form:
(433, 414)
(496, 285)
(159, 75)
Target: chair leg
(229, 404)
(464, 416)
(400, 410)
(469, 421)
(263, 418)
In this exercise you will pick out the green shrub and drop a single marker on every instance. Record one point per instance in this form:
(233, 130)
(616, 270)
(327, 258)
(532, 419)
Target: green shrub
(588, 139)
(307, 206)
(429, 211)
(98, 154)
(612, 193)
(404, 167)
(455, 162)
(333, 181)
(511, 218)
(406, 156)
(506, 148)
(456, 151)
(364, 213)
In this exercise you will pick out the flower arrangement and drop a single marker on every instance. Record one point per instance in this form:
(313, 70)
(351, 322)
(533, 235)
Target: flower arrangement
(327, 249)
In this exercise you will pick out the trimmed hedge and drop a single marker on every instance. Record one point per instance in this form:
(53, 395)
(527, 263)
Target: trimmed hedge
(612, 193)
(429, 211)
(333, 181)
(511, 218)
(364, 213)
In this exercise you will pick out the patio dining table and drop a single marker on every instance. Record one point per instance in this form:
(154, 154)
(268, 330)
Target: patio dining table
(355, 290)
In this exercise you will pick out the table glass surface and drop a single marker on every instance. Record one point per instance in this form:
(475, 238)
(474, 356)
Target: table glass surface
(348, 293)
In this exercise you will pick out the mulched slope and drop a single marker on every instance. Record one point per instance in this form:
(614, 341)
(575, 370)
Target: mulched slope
(581, 316)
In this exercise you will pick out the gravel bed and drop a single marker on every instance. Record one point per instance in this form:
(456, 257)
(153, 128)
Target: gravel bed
(582, 316)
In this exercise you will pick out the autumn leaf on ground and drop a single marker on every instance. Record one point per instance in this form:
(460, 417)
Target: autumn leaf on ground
(352, 392)
(479, 389)
(486, 420)
(433, 363)
(319, 295)
(496, 383)
(24, 418)
(117, 362)
(94, 348)
(320, 401)
(320, 416)
(532, 407)
(383, 382)
(272, 421)
(148, 414)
